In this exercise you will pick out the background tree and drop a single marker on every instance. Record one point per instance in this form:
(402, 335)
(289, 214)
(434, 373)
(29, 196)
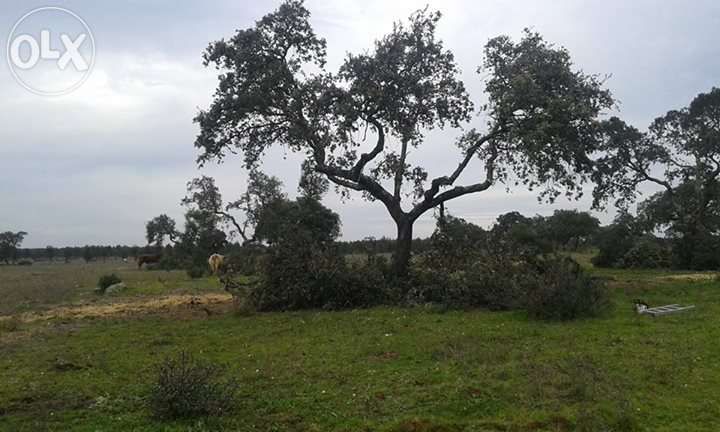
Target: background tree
(281, 219)
(672, 214)
(615, 240)
(201, 238)
(514, 233)
(9, 244)
(204, 195)
(568, 228)
(160, 227)
(50, 253)
(67, 254)
(274, 89)
(88, 254)
(681, 154)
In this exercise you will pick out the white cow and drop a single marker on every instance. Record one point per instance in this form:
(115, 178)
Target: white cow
(216, 261)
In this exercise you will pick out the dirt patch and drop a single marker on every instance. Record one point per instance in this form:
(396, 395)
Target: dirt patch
(205, 303)
(691, 277)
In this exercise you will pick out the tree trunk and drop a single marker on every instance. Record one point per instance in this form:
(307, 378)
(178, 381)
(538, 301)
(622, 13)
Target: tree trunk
(403, 246)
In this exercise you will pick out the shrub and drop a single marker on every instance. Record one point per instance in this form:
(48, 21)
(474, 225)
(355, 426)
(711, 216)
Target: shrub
(196, 272)
(303, 268)
(187, 387)
(497, 283)
(564, 292)
(169, 262)
(366, 284)
(106, 281)
(698, 252)
(615, 240)
(647, 252)
(299, 275)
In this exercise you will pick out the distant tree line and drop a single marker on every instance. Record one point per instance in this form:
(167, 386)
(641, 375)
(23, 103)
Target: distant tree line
(87, 253)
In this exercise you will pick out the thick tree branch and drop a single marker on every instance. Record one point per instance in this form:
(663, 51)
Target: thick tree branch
(458, 191)
(233, 221)
(367, 157)
(642, 172)
(439, 182)
(400, 172)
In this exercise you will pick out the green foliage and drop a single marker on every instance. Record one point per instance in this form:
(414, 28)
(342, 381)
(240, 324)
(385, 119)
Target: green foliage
(188, 387)
(303, 268)
(616, 240)
(496, 284)
(106, 281)
(691, 220)
(9, 244)
(169, 261)
(647, 252)
(571, 228)
(679, 153)
(196, 272)
(299, 274)
(696, 251)
(563, 291)
(454, 243)
(160, 227)
(465, 267)
(201, 238)
(515, 234)
(274, 89)
(281, 219)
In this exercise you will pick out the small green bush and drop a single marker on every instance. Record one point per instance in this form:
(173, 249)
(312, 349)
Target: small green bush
(187, 387)
(106, 281)
(565, 292)
(196, 272)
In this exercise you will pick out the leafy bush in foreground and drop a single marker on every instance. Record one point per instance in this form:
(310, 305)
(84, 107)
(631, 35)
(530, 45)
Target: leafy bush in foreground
(564, 292)
(187, 387)
(106, 281)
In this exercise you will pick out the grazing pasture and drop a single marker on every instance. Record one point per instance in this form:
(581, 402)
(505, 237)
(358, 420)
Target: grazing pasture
(381, 369)
(43, 285)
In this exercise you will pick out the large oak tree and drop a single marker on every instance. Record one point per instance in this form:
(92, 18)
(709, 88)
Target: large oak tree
(680, 153)
(357, 126)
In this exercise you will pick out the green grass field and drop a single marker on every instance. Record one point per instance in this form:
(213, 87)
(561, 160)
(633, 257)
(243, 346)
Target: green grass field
(382, 369)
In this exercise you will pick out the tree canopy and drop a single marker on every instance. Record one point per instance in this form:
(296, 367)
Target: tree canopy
(680, 153)
(159, 228)
(203, 195)
(9, 243)
(541, 115)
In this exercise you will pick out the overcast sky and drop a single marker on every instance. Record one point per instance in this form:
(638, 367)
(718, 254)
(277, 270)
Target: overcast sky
(93, 166)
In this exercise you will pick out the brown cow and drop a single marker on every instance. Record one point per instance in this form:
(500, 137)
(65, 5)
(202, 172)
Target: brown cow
(148, 259)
